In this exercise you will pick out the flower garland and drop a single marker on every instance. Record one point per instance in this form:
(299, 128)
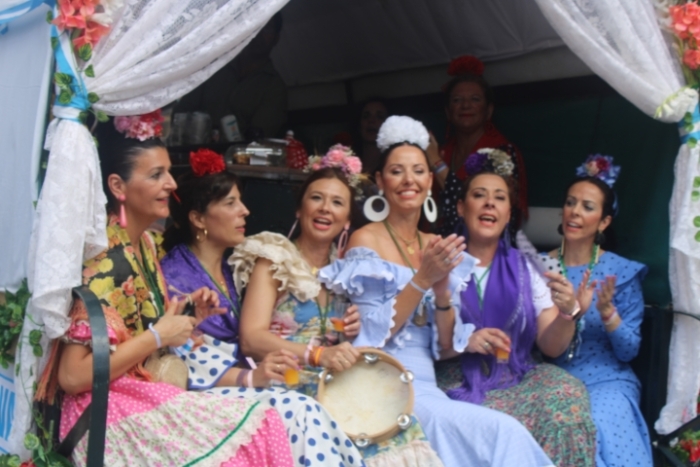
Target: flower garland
(343, 158)
(87, 20)
(466, 65)
(684, 22)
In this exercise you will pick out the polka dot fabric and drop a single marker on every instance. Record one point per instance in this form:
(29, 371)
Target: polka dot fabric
(601, 362)
(207, 363)
(315, 438)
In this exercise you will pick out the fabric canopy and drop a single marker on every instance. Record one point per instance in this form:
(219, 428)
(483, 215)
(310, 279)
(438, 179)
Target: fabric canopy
(326, 41)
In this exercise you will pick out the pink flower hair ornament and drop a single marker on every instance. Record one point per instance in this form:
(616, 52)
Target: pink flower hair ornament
(343, 158)
(141, 127)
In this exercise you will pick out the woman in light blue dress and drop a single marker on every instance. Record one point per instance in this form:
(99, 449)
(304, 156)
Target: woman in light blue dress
(608, 335)
(406, 284)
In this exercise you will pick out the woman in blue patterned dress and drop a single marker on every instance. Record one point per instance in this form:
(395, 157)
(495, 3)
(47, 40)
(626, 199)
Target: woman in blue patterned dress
(399, 277)
(608, 335)
(209, 219)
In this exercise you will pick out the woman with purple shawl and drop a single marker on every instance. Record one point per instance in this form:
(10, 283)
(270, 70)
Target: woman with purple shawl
(209, 219)
(511, 308)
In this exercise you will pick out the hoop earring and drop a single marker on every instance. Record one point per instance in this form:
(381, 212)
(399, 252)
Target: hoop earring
(199, 239)
(560, 230)
(370, 213)
(122, 211)
(599, 238)
(430, 208)
(343, 241)
(294, 226)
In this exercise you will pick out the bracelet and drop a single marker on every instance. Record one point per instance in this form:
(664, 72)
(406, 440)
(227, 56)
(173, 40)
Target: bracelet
(609, 319)
(159, 342)
(249, 378)
(308, 351)
(444, 308)
(417, 287)
(574, 315)
(240, 377)
(439, 167)
(316, 359)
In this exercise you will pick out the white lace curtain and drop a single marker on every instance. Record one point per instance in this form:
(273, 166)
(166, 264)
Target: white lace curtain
(156, 51)
(622, 42)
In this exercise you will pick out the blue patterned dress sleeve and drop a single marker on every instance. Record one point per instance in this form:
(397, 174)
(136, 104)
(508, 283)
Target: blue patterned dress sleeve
(629, 302)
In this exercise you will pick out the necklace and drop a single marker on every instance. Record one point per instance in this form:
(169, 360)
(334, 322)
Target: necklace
(220, 285)
(419, 319)
(576, 341)
(409, 248)
(322, 311)
(479, 290)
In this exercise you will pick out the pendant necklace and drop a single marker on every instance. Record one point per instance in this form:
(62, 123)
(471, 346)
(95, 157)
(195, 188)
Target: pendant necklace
(420, 318)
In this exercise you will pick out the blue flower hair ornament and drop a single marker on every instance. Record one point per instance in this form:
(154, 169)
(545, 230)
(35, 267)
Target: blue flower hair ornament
(601, 167)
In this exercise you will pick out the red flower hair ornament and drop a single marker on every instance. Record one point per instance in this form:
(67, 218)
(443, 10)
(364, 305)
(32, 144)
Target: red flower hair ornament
(466, 65)
(206, 161)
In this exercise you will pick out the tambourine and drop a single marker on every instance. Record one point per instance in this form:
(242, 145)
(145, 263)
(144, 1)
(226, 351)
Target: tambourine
(371, 401)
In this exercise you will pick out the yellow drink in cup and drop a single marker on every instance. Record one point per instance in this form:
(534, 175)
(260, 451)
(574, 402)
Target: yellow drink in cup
(291, 377)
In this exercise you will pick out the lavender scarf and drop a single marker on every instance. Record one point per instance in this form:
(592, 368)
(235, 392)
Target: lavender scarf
(183, 271)
(507, 305)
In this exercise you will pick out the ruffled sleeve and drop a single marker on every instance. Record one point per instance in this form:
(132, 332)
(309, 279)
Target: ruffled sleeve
(459, 279)
(288, 267)
(371, 284)
(629, 302)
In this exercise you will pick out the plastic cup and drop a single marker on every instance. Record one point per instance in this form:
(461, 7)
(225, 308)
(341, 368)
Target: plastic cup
(502, 356)
(340, 306)
(291, 377)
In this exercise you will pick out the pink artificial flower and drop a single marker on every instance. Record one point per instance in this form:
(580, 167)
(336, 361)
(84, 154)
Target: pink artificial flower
(69, 16)
(122, 123)
(334, 158)
(316, 166)
(685, 20)
(142, 131)
(353, 164)
(691, 58)
(92, 34)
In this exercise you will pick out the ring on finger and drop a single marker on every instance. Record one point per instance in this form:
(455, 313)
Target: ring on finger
(556, 294)
(486, 345)
(447, 260)
(277, 367)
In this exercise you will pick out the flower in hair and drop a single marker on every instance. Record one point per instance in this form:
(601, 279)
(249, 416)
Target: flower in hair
(141, 127)
(343, 158)
(400, 129)
(206, 161)
(599, 166)
(490, 160)
(466, 65)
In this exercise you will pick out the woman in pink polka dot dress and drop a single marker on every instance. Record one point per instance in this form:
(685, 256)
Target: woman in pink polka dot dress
(150, 423)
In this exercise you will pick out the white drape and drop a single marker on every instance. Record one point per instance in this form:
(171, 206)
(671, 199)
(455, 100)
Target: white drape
(621, 41)
(156, 51)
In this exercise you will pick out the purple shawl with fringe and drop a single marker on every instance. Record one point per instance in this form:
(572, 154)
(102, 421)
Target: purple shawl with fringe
(183, 271)
(507, 305)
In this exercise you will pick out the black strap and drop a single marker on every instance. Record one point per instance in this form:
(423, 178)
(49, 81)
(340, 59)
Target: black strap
(75, 434)
(94, 417)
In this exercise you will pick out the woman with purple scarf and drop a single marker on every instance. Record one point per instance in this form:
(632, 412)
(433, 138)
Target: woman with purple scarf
(511, 308)
(209, 220)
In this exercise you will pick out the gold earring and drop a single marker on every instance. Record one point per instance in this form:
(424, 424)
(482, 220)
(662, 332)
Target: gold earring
(205, 233)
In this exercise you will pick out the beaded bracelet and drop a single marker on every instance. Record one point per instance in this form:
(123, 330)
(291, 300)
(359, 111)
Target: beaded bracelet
(308, 351)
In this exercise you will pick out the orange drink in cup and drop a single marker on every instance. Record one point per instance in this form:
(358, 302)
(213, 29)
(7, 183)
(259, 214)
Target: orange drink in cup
(291, 377)
(338, 324)
(502, 355)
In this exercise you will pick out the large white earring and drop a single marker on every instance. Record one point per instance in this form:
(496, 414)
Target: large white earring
(368, 208)
(430, 208)
(294, 226)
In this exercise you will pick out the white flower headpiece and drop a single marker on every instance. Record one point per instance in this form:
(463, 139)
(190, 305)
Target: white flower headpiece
(400, 129)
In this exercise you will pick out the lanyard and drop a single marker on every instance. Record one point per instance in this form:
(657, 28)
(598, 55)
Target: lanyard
(479, 290)
(151, 282)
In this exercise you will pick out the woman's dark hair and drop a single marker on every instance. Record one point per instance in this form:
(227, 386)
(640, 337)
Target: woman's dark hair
(384, 157)
(468, 78)
(512, 183)
(330, 173)
(195, 194)
(608, 194)
(118, 155)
